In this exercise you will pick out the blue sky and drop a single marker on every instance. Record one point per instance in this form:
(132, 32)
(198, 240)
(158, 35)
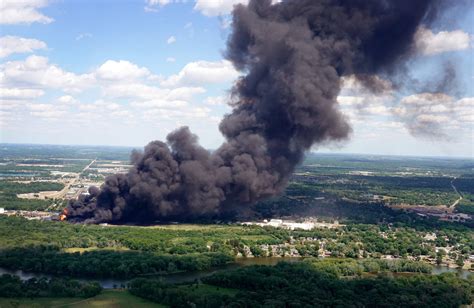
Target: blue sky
(126, 72)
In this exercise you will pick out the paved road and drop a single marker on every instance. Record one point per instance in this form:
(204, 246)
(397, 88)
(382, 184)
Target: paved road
(456, 190)
(63, 192)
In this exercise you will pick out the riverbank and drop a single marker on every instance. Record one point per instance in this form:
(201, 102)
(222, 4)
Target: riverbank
(184, 277)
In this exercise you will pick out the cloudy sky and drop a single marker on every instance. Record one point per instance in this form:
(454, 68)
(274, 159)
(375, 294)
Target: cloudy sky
(130, 71)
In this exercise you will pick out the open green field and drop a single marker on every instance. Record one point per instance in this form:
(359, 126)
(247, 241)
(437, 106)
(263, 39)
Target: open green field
(109, 298)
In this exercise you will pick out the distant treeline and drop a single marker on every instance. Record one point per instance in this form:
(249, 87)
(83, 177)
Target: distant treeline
(465, 183)
(10, 189)
(429, 190)
(352, 212)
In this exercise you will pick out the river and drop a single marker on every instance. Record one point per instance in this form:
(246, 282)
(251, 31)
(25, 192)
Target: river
(192, 276)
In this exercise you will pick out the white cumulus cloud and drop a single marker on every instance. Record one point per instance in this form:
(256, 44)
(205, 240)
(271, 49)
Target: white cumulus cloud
(46, 111)
(121, 70)
(23, 11)
(19, 93)
(216, 7)
(433, 114)
(429, 43)
(217, 100)
(157, 2)
(68, 100)
(160, 103)
(203, 72)
(357, 102)
(426, 99)
(38, 72)
(14, 44)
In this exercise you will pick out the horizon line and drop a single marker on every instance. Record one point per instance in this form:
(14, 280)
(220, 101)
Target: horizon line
(310, 151)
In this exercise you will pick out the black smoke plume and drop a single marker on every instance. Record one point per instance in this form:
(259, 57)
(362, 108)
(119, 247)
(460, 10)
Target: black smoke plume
(293, 55)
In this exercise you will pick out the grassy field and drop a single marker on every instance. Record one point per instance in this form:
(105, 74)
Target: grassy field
(81, 250)
(108, 298)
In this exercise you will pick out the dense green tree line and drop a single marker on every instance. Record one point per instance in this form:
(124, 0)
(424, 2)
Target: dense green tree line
(14, 169)
(303, 285)
(180, 239)
(184, 296)
(351, 267)
(106, 263)
(466, 207)
(12, 286)
(10, 187)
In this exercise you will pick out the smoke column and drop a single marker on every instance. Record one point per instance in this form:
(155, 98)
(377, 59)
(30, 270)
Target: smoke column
(293, 55)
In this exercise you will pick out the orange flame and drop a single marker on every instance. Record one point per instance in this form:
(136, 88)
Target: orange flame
(63, 215)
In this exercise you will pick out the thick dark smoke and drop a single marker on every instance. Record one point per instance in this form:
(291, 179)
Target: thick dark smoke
(293, 55)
